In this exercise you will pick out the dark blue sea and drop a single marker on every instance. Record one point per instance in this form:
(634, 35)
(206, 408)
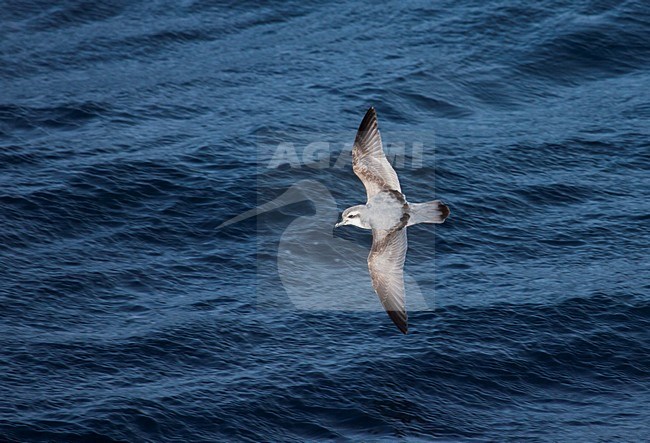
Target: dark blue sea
(131, 130)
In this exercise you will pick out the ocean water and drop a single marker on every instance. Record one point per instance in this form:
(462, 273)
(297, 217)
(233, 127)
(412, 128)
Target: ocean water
(130, 131)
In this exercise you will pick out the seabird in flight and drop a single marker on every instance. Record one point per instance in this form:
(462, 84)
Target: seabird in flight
(388, 214)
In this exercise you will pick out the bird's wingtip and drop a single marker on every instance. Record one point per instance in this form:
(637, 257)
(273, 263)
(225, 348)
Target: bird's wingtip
(400, 320)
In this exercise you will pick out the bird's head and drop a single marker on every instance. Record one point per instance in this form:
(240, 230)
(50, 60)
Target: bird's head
(351, 216)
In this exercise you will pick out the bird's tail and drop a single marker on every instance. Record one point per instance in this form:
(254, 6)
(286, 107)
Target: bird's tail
(430, 212)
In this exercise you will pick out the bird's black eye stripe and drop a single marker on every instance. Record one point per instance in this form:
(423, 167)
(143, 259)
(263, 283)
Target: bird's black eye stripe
(353, 215)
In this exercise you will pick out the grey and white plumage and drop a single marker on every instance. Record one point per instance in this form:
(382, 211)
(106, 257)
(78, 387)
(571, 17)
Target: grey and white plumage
(387, 214)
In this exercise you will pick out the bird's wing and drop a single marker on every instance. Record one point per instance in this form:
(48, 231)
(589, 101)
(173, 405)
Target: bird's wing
(386, 265)
(369, 161)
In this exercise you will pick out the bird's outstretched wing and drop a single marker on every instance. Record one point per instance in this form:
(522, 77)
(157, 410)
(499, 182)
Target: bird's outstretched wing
(369, 161)
(386, 265)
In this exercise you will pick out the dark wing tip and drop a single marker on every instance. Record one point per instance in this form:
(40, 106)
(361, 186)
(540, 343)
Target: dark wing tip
(368, 119)
(399, 318)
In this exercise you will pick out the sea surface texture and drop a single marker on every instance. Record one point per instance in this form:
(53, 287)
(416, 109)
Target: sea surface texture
(131, 130)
